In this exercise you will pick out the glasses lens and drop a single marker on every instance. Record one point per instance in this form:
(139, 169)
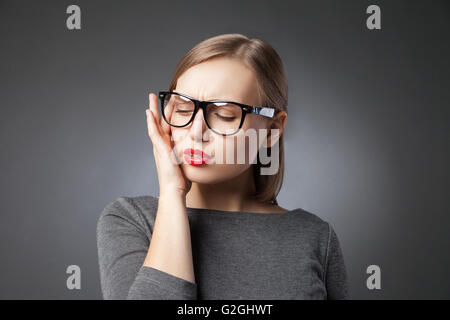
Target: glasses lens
(224, 117)
(178, 110)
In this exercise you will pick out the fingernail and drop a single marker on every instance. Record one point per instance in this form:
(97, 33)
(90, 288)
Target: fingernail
(146, 112)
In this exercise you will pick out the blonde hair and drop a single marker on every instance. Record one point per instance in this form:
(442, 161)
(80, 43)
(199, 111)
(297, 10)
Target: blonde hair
(272, 85)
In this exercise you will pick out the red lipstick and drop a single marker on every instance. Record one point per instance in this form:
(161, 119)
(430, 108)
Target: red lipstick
(196, 156)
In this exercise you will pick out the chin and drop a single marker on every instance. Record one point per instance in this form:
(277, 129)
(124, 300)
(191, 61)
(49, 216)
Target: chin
(204, 174)
(211, 174)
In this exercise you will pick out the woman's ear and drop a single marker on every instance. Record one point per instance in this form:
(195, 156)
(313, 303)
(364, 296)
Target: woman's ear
(278, 122)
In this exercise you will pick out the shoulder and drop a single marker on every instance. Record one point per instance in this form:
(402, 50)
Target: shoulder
(309, 220)
(319, 233)
(137, 212)
(310, 229)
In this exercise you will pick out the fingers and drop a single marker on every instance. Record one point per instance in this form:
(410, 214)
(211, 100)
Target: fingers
(164, 125)
(152, 127)
(160, 146)
(153, 106)
(153, 102)
(156, 131)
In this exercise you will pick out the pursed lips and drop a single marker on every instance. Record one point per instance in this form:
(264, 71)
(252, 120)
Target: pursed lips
(196, 156)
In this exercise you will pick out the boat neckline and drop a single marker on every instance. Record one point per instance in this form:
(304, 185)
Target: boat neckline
(217, 212)
(233, 213)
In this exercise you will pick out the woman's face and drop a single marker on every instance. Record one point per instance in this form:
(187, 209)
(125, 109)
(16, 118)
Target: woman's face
(218, 79)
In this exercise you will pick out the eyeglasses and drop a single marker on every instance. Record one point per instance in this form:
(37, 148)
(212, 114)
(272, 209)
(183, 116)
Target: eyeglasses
(223, 117)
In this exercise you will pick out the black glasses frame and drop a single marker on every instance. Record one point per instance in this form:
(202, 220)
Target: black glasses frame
(262, 111)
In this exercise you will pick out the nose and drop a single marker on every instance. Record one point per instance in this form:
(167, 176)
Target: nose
(198, 129)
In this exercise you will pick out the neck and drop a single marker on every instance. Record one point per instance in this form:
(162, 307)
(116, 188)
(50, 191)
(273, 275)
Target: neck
(232, 195)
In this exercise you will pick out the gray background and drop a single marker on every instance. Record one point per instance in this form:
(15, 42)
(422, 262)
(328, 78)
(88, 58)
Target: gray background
(367, 138)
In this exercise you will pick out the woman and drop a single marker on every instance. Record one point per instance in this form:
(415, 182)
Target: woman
(216, 230)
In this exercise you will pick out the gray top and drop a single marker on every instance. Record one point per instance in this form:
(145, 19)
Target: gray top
(236, 255)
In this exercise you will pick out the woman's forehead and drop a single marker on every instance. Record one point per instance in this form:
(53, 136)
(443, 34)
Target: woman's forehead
(218, 80)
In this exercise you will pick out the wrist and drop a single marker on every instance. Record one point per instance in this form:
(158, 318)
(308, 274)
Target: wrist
(172, 195)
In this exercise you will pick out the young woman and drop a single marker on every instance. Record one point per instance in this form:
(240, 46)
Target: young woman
(216, 230)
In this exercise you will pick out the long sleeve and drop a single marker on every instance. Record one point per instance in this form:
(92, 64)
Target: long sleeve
(122, 243)
(336, 273)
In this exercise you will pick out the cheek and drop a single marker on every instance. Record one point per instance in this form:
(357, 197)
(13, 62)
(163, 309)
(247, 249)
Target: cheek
(256, 133)
(242, 148)
(178, 137)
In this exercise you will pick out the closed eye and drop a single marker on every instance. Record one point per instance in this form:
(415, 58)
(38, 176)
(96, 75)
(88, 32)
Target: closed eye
(225, 118)
(184, 112)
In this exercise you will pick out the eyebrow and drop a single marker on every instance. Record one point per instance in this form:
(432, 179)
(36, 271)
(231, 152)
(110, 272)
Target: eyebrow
(210, 99)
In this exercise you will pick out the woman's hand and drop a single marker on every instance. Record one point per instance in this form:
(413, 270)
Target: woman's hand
(170, 246)
(170, 175)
